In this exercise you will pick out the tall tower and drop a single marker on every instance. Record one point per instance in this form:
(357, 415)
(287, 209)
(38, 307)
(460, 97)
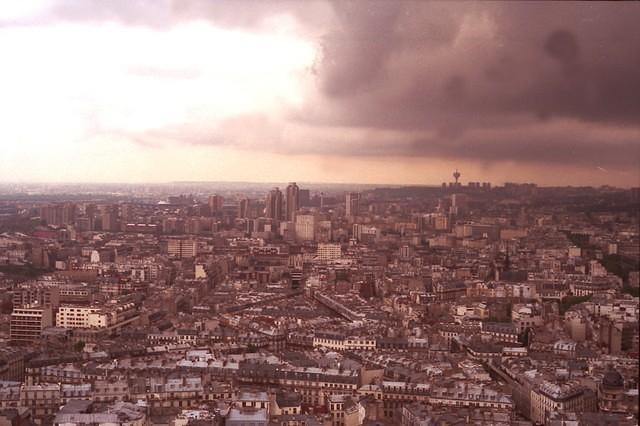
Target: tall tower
(292, 200)
(243, 207)
(456, 176)
(274, 204)
(352, 202)
(215, 203)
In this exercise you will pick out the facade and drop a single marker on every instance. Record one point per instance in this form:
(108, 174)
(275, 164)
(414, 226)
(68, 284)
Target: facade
(48, 296)
(275, 205)
(27, 322)
(292, 201)
(215, 203)
(551, 397)
(44, 399)
(247, 417)
(611, 393)
(327, 252)
(352, 201)
(79, 317)
(182, 248)
(306, 227)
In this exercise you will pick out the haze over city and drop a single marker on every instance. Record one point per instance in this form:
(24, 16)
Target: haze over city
(363, 92)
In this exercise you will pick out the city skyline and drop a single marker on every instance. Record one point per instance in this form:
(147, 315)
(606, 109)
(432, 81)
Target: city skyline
(384, 92)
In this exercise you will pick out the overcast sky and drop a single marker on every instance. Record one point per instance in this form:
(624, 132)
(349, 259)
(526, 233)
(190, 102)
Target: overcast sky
(371, 92)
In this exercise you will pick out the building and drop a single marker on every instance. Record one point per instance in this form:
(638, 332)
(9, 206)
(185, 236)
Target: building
(11, 364)
(274, 204)
(328, 251)
(551, 397)
(292, 200)
(27, 322)
(615, 335)
(58, 214)
(215, 203)
(247, 417)
(243, 208)
(109, 218)
(366, 234)
(182, 249)
(611, 392)
(44, 399)
(306, 227)
(104, 317)
(352, 204)
(345, 410)
(37, 294)
(77, 317)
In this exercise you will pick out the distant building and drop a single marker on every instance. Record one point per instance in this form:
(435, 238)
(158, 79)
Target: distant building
(243, 208)
(27, 322)
(110, 221)
(181, 249)
(352, 202)
(292, 200)
(47, 296)
(328, 251)
(305, 227)
(274, 204)
(215, 203)
(551, 397)
(247, 416)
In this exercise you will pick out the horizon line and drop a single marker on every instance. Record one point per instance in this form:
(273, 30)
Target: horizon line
(379, 184)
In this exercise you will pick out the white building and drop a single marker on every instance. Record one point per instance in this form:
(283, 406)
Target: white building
(78, 317)
(182, 249)
(328, 251)
(305, 227)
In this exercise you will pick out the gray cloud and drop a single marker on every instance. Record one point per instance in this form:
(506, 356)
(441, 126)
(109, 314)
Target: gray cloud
(544, 59)
(497, 67)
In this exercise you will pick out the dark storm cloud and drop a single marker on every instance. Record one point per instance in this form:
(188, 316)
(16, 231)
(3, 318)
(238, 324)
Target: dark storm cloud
(576, 60)
(498, 67)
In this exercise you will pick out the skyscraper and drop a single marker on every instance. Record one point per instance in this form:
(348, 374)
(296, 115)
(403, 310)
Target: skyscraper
(215, 203)
(109, 218)
(274, 204)
(293, 200)
(353, 203)
(243, 210)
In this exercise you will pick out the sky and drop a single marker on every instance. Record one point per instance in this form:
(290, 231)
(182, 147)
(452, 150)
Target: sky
(320, 91)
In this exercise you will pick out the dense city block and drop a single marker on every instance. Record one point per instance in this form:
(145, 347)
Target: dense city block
(318, 304)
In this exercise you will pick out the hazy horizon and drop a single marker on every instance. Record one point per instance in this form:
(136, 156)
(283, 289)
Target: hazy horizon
(270, 184)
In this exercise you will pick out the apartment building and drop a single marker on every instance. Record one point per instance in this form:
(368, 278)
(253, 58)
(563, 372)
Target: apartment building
(27, 322)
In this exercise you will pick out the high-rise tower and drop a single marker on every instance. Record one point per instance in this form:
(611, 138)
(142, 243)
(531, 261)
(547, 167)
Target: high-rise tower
(352, 203)
(274, 204)
(243, 208)
(215, 203)
(292, 200)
